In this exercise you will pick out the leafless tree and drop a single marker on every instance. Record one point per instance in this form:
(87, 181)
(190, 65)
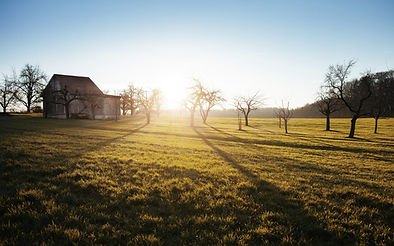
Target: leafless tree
(327, 104)
(193, 99)
(353, 94)
(31, 84)
(93, 102)
(382, 99)
(124, 101)
(245, 105)
(209, 99)
(64, 97)
(8, 91)
(133, 98)
(129, 99)
(285, 113)
(277, 114)
(146, 99)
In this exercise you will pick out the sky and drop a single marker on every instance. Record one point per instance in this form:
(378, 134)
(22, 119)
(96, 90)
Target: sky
(280, 48)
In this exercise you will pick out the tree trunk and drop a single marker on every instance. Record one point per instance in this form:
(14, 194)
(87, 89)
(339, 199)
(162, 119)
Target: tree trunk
(148, 118)
(28, 106)
(3, 105)
(204, 118)
(246, 121)
(280, 122)
(327, 122)
(376, 125)
(285, 125)
(353, 126)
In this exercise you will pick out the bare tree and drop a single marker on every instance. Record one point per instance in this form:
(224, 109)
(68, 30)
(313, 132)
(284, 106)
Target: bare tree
(8, 91)
(133, 98)
(381, 103)
(93, 102)
(327, 104)
(124, 101)
(193, 100)
(285, 113)
(129, 99)
(209, 99)
(65, 97)
(147, 101)
(353, 94)
(31, 84)
(277, 114)
(245, 105)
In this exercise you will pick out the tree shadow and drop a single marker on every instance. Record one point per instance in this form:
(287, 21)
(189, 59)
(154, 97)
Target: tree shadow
(224, 133)
(86, 212)
(95, 145)
(331, 130)
(265, 130)
(270, 198)
(301, 166)
(58, 208)
(23, 165)
(278, 143)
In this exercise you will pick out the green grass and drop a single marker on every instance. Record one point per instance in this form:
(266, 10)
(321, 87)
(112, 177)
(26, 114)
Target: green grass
(105, 182)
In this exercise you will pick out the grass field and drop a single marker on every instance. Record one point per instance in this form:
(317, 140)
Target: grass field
(105, 182)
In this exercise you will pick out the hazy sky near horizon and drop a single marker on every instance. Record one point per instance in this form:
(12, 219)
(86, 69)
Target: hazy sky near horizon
(280, 48)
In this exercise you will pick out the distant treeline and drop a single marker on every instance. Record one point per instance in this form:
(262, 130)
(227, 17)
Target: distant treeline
(307, 111)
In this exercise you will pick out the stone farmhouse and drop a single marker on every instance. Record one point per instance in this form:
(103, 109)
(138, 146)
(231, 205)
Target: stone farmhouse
(67, 96)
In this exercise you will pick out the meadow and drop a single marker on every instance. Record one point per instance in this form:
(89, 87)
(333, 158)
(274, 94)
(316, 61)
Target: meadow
(166, 183)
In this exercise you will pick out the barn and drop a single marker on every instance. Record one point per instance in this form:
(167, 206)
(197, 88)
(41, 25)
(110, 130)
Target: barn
(68, 96)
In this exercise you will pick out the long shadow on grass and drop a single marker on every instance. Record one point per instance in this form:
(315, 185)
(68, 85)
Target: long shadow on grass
(224, 132)
(95, 145)
(384, 216)
(294, 220)
(265, 130)
(62, 210)
(41, 203)
(280, 143)
(302, 167)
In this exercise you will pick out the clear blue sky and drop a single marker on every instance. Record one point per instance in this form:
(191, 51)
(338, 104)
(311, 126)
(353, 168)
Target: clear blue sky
(281, 48)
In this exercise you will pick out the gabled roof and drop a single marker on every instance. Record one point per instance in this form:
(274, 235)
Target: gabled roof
(82, 84)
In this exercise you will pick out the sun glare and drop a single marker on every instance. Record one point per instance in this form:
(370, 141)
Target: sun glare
(173, 96)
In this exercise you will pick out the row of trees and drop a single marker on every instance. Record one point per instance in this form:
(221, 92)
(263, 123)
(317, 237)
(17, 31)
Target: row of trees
(145, 100)
(372, 95)
(204, 99)
(199, 100)
(24, 87)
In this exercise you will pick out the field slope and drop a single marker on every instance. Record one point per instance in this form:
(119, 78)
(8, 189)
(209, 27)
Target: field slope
(105, 182)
